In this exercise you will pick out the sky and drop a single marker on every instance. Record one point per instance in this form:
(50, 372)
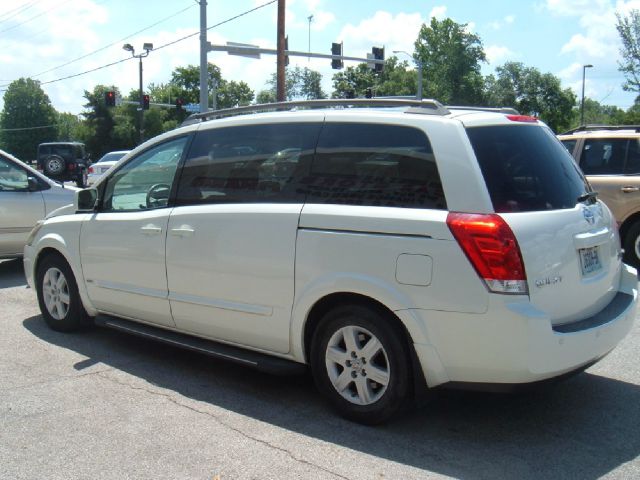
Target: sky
(49, 40)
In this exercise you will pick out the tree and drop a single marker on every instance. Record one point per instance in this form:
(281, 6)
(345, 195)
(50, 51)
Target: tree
(300, 83)
(531, 93)
(68, 126)
(629, 31)
(27, 118)
(354, 81)
(228, 93)
(451, 58)
(394, 80)
(100, 121)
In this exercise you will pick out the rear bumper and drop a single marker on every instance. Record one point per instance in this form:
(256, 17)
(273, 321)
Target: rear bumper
(514, 343)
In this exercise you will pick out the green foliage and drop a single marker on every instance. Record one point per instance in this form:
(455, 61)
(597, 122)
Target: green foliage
(68, 126)
(531, 93)
(354, 81)
(629, 31)
(395, 80)
(451, 58)
(26, 107)
(300, 83)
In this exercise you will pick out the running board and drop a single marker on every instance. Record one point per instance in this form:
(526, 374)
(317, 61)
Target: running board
(248, 358)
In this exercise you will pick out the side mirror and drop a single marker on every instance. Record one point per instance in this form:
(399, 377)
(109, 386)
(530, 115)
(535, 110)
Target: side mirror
(34, 185)
(85, 200)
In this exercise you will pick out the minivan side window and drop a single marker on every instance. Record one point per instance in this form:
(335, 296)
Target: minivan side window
(248, 164)
(604, 156)
(145, 181)
(375, 165)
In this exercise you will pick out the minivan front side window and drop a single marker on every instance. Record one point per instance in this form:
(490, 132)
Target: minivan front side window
(145, 181)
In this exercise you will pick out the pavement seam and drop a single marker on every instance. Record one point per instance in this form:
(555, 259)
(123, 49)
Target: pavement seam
(221, 422)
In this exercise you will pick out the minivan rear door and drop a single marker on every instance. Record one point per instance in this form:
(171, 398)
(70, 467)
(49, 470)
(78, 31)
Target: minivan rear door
(568, 239)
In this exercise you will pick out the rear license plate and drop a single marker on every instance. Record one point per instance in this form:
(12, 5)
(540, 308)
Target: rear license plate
(590, 260)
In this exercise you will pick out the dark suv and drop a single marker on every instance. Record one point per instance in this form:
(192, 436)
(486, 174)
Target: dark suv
(64, 161)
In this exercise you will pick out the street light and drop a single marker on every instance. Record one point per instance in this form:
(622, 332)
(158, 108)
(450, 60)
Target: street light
(584, 68)
(147, 47)
(419, 66)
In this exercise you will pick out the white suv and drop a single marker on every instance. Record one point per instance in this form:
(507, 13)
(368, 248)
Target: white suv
(388, 248)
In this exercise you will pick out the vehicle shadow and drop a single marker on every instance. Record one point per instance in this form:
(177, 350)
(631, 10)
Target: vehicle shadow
(12, 273)
(584, 427)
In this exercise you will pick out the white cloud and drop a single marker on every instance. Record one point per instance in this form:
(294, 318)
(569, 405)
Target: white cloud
(395, 32)
(439, 13)
(497, 54)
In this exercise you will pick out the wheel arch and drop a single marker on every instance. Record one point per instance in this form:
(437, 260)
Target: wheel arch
(330, 301)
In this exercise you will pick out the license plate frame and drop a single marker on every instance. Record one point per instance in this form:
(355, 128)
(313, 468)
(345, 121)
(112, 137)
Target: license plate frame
(590, 261)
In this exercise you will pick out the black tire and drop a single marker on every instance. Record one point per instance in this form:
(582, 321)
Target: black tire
(391, 362)
(631, 243)
(58, 295)
(54, 165)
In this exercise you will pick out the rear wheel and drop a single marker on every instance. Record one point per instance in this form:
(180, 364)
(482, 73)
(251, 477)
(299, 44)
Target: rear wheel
(54, 165)
(360, 364)
(58, 295)
(632, 245)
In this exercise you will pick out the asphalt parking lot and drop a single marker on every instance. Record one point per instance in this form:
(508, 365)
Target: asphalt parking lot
(101, 404)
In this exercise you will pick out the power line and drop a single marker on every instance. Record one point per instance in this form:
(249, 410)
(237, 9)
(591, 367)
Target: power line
(34, 17)
(112, 44)
(27, 128)
(18, 11)
(157, 48)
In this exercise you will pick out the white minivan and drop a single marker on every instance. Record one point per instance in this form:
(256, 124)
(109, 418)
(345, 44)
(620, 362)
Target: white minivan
(390, 247)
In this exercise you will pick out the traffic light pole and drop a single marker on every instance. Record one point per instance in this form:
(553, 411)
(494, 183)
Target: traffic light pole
(254, 52)
(141, 106)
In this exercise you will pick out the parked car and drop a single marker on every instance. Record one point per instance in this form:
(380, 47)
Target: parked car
(64, 162)
(105, 162)
(408, 247)
(610, 158)
(26, 196)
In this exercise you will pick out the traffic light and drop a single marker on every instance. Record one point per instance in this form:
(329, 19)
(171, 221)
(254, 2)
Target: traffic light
(145, 102)
(110, 99)
(179, 103)
(336, 49)
(378, 54)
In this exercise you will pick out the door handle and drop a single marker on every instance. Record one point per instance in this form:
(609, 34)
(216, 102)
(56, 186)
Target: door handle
(151, 230)
(184, 231)
(630, 189)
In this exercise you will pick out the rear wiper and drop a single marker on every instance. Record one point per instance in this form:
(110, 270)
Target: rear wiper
(589, 197)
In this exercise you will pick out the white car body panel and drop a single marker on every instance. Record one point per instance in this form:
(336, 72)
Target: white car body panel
(250, 274)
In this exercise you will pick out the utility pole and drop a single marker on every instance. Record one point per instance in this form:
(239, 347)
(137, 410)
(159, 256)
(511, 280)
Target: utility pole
(204, 48)
(280, 78)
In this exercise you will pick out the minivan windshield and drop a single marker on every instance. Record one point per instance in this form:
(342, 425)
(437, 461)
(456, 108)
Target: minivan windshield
(526, 168)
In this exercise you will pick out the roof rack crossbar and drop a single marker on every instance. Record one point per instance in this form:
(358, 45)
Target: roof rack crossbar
(591, 128)
(432, 107)
(508, 110)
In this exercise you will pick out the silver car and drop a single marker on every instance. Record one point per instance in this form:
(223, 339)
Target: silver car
(26, 196)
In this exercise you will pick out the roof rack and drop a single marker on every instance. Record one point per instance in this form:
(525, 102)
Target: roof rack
(430, 107)
(509, 110)
(591, 128)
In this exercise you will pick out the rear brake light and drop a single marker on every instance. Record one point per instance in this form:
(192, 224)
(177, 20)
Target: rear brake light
(523, 118)
(90, 170)
(492, 249)
(72, 166)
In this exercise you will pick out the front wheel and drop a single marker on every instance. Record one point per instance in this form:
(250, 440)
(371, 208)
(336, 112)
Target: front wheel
(360, 364)
(58, 295)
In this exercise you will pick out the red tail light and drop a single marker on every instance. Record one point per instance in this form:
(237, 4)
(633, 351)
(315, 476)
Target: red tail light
(492, 249)
(523, 118)
(72, 166)
(90, 170)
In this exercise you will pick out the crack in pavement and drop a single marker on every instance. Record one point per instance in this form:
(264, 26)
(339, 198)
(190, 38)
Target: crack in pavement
(224, 424)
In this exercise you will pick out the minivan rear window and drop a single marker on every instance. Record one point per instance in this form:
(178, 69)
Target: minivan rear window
(526, 168)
